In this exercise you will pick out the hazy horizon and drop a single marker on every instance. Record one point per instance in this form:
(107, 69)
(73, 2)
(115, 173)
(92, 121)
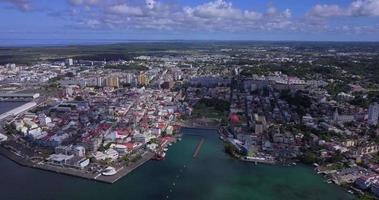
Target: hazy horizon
(68, 42)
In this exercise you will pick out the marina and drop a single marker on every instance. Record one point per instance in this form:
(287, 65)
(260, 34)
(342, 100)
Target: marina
(179, 176)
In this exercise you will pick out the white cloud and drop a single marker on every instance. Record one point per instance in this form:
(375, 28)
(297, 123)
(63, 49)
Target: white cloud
(124, 9)
(84, 2)
(251, 15)
(323, 11)
(23, 5)
(364, 8)
(214, 15)
(215, 9)
(356, 8)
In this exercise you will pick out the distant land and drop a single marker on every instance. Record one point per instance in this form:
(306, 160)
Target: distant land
(33, 51)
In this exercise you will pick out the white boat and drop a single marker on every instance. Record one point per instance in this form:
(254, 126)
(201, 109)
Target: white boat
(109, 171)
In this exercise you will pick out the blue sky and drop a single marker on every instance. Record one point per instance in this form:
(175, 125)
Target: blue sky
(303, 20)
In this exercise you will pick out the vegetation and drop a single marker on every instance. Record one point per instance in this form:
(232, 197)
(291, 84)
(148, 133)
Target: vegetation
(153, 141)
(128, 67)
(9, 129)
(309, 157)
(136, 158)
(365, 99)
(126, 159)
(298, 99)
(230, 149)
(79, 98)
(367, 197)
(211, 108)
(105, 147)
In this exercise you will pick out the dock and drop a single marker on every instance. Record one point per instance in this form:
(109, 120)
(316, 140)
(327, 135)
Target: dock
(198, 148)
(121, 172)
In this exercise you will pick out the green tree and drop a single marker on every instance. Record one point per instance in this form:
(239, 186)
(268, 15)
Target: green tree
(309, 157)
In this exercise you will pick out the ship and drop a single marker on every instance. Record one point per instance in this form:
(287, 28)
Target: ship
(109, 171)
(159, 156)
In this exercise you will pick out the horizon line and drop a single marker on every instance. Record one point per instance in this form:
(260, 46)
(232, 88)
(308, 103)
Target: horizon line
(90, 42)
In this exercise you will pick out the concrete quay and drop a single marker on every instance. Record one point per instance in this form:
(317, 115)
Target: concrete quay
(121, 172)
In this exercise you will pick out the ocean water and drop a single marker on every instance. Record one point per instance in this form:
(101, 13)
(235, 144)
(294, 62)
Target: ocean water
(212, 175)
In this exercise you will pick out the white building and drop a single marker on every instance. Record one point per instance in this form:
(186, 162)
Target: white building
(342, 118)
(70, 62)
(79, 151)
(373, 114)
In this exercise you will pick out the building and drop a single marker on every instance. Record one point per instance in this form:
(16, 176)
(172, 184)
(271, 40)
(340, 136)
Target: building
(99, 81)
(258, 128)
(373, 114)
(112, 81)
(342, 118)
(375, 189)
(130, 78)
(70, 62)
(167, 85)
(143, 80)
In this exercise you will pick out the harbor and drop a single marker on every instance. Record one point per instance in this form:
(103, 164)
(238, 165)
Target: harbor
(121, 172)
(204, 177)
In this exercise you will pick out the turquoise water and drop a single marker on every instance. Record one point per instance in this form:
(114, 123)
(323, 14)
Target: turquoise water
(212, 175)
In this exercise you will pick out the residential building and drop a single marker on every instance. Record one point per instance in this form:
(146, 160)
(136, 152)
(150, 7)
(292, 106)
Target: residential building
(373, 114)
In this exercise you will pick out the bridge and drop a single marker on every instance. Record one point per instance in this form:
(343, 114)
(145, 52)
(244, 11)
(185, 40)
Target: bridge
(19, 110)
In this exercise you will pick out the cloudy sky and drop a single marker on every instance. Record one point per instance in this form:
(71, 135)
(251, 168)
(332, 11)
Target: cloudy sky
(314, 20)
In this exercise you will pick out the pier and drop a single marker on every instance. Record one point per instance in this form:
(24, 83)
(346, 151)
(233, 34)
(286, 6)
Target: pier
(198, 148)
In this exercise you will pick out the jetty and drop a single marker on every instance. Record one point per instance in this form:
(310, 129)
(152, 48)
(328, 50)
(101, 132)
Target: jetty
(198, 148)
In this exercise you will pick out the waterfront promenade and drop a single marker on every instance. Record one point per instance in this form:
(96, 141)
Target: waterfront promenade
(121, 172)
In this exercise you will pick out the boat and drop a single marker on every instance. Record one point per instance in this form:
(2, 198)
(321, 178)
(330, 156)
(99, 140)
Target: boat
(159, 156)
(109, 171)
